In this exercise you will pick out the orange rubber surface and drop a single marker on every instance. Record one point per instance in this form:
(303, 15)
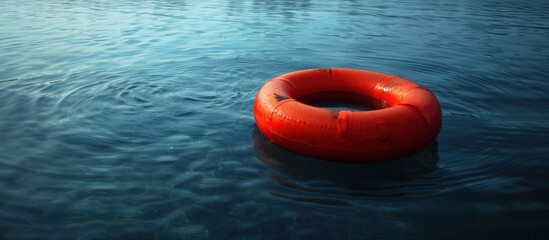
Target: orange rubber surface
(409, 117)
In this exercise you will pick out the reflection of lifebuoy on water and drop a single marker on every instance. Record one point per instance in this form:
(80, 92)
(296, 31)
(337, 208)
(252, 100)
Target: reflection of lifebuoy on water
(408, 120)
(296, 167)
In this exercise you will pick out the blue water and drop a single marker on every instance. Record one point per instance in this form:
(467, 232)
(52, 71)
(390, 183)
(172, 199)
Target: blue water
(133, 120)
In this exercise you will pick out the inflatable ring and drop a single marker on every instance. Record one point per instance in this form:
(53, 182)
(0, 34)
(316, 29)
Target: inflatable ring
(406, 119)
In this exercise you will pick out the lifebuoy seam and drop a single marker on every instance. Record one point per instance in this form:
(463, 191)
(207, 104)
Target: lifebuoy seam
(420, 113)
(341, 126)
(278, 105)
(417, 107)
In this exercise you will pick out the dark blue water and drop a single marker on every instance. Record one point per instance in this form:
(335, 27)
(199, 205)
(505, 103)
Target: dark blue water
(133, 120)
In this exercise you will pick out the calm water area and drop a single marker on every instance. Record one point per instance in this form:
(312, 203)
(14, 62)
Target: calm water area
(134, 120)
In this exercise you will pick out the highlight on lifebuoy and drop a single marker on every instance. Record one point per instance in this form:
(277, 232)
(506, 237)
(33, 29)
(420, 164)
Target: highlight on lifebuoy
(407, 116)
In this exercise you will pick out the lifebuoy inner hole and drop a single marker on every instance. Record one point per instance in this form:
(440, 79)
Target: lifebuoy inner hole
(342, 100)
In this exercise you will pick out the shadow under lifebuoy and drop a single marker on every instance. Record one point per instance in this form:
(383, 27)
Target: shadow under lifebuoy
(306, 173)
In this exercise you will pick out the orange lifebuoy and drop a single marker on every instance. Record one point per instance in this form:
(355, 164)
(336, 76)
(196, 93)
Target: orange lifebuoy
(408, 119)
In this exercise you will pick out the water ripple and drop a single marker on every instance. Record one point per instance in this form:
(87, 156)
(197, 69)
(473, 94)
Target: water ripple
(134, 119)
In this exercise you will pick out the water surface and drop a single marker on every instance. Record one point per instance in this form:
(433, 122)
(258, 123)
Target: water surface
(133, 119)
